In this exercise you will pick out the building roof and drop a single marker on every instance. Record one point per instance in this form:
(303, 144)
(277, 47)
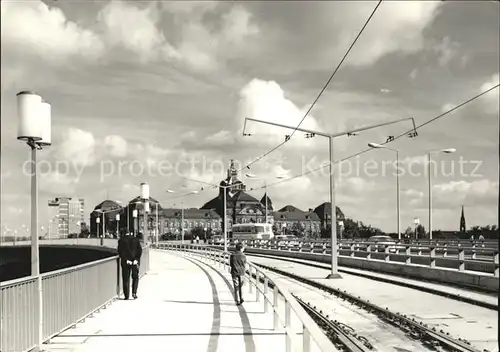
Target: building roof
(263, 200)
(290, 208)
(325, 209)
(295, 216)
(108, 205)
(138, 199)
(191, 213)
(244, 197)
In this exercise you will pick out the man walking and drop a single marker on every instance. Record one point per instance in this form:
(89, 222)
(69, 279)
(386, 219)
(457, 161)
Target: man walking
(237, 263)
(136, 250)
(130, 251)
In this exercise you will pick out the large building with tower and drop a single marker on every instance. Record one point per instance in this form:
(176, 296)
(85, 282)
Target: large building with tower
(241, 208)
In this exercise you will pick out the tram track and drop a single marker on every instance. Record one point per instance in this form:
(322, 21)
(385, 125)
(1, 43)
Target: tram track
(457, 297)
(341, 334)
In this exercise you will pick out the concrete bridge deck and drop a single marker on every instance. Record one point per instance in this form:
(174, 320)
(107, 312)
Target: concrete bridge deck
(184, 304)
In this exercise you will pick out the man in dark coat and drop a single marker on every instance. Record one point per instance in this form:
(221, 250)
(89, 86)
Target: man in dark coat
(237, 263)
(130, 251)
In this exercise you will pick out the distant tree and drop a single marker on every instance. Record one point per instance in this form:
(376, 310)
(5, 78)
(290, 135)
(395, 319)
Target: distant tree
(351, 229)
(326, 232)
(84, 230)
(421, 231)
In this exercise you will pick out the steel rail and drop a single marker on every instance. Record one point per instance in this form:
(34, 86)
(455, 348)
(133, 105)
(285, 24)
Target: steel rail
(319, 265)
(417, 330)
(334, 330)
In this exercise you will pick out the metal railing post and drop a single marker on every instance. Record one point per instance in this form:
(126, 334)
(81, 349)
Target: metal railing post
(276, 322)
(250, 279)
(266, 286)
(306, 339)
(288, 326)
(257, 281)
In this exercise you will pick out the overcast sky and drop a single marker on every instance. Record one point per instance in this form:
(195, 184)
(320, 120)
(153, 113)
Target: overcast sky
(157, 91)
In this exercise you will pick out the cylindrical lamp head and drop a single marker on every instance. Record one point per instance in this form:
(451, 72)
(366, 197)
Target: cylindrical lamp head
(144, 191)
(98, 220)
(46, 121)
(29, 116)
(134, 213)
(146, 207)
(117, 217)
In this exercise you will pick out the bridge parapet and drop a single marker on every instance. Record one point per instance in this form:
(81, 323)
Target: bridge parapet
(446, 256)
(69, 296)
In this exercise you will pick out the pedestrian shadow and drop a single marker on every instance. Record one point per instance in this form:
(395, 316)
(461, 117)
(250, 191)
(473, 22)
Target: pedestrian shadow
(248, 337)
(220, 303)
(213, 342)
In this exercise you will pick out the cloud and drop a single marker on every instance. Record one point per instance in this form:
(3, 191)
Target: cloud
(491, 99)
(144, 38)
(117, 145)
(412, 193)
(383, 34)
(356, 185)
(454, 193)
(206, 48)
(237, 25)
(77, 147)
(58, 183)
(446, 51)
(45, 30)
(266, 100)
(411, 160)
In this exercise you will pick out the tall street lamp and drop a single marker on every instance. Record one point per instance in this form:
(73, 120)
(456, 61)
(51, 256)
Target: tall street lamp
(334, 272)
(182, 211)
(34, 128)
(445, 151)
(117, 218)
(134, 216)
(145, 200)
(97, 222)
(381, 146)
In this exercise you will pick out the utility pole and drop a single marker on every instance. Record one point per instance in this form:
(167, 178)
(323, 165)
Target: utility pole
(334, 257)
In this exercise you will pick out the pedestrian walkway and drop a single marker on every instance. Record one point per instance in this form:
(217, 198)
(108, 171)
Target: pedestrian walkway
(184, 304)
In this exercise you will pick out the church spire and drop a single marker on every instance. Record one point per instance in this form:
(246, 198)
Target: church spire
(462, 221)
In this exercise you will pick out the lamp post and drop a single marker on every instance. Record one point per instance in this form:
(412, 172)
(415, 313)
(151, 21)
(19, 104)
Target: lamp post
(416, 222)
(334, 258)
(134, 216)
(445, 151)
(376, 146)
(145, 199)
(117, 218)
(182, 211)
(97, 222)
(34, 128)
(103, 228)
(224, 219)
(157, 226)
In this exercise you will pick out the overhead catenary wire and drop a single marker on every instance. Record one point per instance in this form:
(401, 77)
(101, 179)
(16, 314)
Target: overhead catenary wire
(289, 137)
(447, 112)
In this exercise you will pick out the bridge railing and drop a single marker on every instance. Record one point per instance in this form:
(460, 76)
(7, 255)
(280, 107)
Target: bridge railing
(262, 283)
(69, 296)
(458, 257)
